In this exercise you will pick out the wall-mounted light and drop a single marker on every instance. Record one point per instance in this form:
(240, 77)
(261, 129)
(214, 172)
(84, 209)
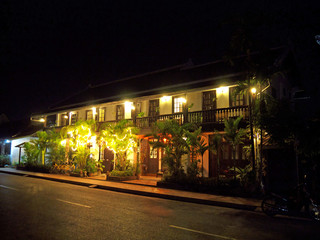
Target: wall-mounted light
(182, 100)
(165, 99)
(222, 90)
(94, 111)
(129, 105)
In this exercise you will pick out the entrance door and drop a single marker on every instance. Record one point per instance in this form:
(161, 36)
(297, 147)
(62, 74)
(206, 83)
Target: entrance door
(213, 160)
(153, 163)
(108, 160)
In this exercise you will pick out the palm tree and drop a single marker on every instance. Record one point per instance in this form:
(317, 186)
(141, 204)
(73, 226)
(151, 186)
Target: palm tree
(42, 142)
(120, 138)
(215, 147)
(234, 135)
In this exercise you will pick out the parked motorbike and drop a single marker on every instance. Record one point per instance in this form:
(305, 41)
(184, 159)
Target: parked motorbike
(297, 204)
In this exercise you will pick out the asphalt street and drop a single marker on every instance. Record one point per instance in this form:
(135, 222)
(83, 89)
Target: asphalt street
(40, 209)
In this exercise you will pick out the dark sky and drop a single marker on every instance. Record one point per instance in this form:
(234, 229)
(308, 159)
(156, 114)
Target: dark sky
(51, 49)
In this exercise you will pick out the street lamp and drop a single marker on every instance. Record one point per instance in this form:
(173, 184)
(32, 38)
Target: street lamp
(253, 92)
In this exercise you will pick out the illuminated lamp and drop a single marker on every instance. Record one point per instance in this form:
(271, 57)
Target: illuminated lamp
(222, 90)
(165, 99)
(253, 90)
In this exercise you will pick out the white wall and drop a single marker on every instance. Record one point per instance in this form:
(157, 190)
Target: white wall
(15, 150)
(195, 98)
(222, 97)
(165, 104)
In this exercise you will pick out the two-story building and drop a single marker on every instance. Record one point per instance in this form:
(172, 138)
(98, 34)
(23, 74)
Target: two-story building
(206, 90)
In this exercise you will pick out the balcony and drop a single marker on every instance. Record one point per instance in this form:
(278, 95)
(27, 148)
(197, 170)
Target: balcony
(209, 119)
(215, 117)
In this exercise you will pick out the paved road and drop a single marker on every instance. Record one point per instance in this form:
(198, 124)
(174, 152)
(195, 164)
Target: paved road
(41, 209)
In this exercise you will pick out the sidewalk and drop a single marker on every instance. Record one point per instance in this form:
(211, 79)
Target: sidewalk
(144, 190)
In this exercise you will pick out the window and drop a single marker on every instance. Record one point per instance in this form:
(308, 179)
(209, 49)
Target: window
(74, 118)
(64, 120)
(153, 151)
(236, 99)
(89, 115)
(154, 108)
(51, 120)
(209, 101)
(102, 114)
(101, 153)
(178, 104)
(119, 112)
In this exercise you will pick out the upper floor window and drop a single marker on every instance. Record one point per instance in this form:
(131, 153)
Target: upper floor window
(236, 99)
(119, 112)
(51, 120)
(209, 101)
(74, 118)
(154, 108)
(178, 104)
(89, 115)
(64, 119)
(102, 114)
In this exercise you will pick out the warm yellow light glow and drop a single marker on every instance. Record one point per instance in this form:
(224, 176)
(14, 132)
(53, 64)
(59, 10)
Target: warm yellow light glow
(183, 100)
(65, 116)
(222, 90)
(129, 105)
(165, 99)
(253, 90)
(63, 142)
(42, 120)
(94, 111)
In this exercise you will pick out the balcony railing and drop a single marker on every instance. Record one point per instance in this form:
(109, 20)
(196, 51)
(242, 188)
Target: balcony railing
(215, 116)
(199, 117)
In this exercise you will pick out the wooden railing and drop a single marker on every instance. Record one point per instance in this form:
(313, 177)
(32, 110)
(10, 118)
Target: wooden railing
(218, 115)
(200, 117)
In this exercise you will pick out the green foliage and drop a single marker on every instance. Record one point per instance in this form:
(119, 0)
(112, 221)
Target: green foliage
(34, 167)
(4, 160)
(215, 147)
(31, 153)
(81, 156)
(172, 138)
(233, 133)
(120, 138)
(99, 165)
(62, 168)
(91, 165)
(120, 173)
(245, 175)
(41, 142)
(193, 171)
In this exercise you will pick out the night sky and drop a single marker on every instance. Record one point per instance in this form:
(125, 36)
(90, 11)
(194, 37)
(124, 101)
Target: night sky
(51, 49)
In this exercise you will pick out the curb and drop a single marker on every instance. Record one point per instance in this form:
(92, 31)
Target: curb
(143, 193)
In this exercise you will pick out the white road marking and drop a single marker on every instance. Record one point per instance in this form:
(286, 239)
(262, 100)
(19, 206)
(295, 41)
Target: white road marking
(77, 204)
(204, 233)
(8, 187)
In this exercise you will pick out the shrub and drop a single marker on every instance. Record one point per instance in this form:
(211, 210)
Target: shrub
(119, 173)
(91, 166)
(4, 160)
(34, 167)
(62, 169)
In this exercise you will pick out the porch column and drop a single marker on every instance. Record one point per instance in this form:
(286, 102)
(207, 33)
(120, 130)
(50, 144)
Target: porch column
(160, 157)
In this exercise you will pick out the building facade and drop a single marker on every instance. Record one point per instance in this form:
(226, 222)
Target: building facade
(202, 94)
